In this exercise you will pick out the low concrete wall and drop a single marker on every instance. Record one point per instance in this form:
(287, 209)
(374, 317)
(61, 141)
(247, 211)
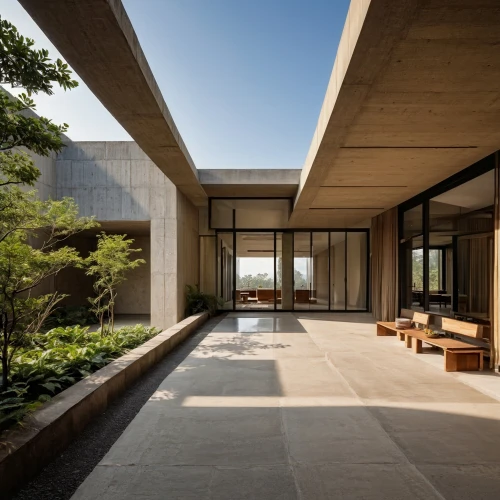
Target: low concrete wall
(23, 452)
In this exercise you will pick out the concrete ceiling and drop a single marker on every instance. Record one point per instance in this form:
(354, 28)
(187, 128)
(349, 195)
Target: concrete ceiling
(97, 39)
(413, 98)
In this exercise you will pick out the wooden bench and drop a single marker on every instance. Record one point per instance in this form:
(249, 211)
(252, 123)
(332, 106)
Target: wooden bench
(458, 355)
(385, 328)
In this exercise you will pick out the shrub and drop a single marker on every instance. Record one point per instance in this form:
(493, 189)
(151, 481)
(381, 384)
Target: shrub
(58, 359)
(197, 301)
(69, 316)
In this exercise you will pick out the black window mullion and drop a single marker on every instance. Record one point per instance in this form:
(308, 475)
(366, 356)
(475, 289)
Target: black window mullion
(345, 272)
(425, 215)
(274, 253)
(329, 272)
(454, 275)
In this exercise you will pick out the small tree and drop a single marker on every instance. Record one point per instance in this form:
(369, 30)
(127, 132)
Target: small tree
(109, 264)
(30, 229)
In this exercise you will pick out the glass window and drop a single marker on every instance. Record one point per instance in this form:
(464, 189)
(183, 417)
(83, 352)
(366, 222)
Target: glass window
(465, 214)
(413, 222)
(319, 271)
(225, 269)
(302, 276)
(255, 270)
(337, 271)
(460, 252)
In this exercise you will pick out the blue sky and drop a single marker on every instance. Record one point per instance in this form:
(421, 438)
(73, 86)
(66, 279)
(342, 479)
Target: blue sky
(244, 80)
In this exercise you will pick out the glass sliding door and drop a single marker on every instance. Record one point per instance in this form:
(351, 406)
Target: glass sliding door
(225, 270)
(337, 271)
(302, 278)
(255, 271)
(292, 270)
(319, 271)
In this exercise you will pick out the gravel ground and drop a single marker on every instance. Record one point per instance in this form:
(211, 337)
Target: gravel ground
(61, 477)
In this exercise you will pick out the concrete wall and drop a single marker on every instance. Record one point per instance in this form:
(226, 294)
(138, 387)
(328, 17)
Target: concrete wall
(116, 181)
(74, 282)
(134, 295)
(188, 249)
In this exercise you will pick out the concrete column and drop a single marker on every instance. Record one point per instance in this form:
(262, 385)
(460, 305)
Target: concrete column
(287, 271)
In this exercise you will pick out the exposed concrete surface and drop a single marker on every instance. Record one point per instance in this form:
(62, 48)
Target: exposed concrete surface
(305, 406)
(257, 183)
(97, 39)
(25, 450)
(414, 88)
(118, 184)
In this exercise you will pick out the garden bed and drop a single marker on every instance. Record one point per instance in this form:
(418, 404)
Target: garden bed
(25, 450)
(59, 358)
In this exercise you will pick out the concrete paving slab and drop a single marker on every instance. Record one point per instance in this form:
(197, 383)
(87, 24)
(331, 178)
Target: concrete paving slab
(147, 482)
(363, 482)
(337, 435)
(306, 406)
(311, 376)
(463, 482)
(205, 436)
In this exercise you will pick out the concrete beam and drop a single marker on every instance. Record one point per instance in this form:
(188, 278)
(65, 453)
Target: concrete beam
(258, 183)
(98, 41)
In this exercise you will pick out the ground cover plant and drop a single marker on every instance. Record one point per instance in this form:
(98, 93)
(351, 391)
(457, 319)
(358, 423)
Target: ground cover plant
(55, 360)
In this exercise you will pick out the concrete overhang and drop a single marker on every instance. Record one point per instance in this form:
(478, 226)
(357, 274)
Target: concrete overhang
(98, 41)
(414, 97)
(253, 183)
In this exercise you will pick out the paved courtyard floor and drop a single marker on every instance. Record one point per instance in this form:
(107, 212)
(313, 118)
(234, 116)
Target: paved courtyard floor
(306, 406)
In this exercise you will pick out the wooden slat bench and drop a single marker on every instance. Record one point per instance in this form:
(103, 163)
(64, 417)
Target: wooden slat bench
(458, 355)
(387, 328)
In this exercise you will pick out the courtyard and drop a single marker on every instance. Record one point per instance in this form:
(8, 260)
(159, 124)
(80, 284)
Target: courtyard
(310, 406)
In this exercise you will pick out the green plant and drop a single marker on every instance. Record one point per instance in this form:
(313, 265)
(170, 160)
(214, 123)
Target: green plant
(30, 229)
(197, 301)
(59, 358)
(109, 264)
(70, 316)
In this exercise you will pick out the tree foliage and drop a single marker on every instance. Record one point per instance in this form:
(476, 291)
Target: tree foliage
(109, 264)
(31, 230)
(24, 66)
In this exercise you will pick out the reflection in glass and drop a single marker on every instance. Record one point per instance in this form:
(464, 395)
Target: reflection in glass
(337, 271)
(225, 269)
(302, 276)
(319, 271)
